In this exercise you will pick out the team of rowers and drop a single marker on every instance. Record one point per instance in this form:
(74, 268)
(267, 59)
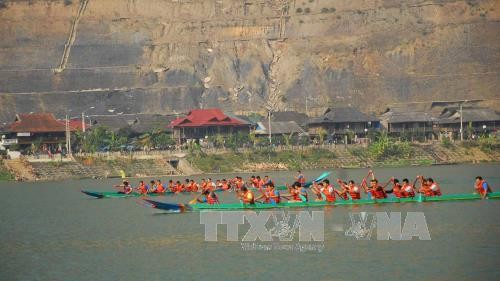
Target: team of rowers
(298, 192)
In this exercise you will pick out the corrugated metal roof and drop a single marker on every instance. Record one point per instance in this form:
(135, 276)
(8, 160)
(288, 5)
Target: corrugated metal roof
(406, 117)
(469, 115)
(284, 116)
(343, 115)
(279, 128)
(139, 123)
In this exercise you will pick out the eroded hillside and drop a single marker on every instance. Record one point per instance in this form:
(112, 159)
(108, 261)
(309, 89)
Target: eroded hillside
(164, 56)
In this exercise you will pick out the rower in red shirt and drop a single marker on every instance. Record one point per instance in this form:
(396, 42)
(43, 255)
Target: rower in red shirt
(179, 187)
(377, 191)
(351, 189)
(142, 189)
(159, 187)
(407, 190)
(482, 187)
(396, 188)
(300, 178)
(171, 186)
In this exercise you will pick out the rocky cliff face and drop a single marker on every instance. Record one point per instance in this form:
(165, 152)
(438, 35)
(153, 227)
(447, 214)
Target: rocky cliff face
(164, 56)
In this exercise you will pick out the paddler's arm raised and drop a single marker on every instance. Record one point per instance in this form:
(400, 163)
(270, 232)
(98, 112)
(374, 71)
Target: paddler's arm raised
(391, 180)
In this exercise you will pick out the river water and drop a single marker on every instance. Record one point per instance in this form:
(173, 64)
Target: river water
(51, 231)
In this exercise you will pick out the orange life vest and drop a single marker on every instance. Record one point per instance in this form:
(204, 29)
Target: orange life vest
(212, 200)
(142, 188)
(246, 199)
(354, 195)
(179, 187)
(436, 192)
(344, 195)
(272, 195)
(405, 194)
(255, 183)
(379, 193)
(239, 184)
(426, 190)
(330, 196)
(480, 189)
(160, 188)
(396, 190)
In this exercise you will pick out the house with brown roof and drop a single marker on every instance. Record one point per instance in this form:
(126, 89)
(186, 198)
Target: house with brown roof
(436, 118)
(202, 123)
(474, 121)
(339, 122)
(37, 127)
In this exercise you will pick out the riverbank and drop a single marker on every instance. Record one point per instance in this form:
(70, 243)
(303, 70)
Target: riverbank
(282, 158)
(338, 157)
(5, 174)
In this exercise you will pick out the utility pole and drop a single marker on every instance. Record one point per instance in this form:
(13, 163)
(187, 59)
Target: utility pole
(269, 125)
(66, 128)
(83, 122)
(68, 137)
(461, 123)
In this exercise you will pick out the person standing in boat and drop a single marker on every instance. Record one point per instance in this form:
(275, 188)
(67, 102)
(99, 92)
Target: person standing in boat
(267, 180)
(300, 178)
(482, 187)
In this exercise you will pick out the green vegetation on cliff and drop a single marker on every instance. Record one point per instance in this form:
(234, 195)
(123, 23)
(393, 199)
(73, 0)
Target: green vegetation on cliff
(4, 173)
(262, 159)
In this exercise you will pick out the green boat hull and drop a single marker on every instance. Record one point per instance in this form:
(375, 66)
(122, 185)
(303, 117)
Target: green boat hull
(114, 194)
(417, 199)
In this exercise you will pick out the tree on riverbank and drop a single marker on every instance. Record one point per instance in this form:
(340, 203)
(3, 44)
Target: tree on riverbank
(385, 147)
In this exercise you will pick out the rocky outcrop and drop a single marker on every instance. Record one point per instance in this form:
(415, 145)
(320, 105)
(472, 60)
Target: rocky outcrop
(160, 56)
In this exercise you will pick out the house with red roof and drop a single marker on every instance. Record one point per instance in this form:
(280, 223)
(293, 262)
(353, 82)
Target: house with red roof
(32, 127)
(201, 123)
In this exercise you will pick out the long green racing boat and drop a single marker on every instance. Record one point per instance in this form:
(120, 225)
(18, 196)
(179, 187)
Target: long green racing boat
(116, 194)
(181, 208)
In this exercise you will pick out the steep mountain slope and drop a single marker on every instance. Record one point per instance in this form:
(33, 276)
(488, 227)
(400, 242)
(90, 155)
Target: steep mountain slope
(164, 56)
